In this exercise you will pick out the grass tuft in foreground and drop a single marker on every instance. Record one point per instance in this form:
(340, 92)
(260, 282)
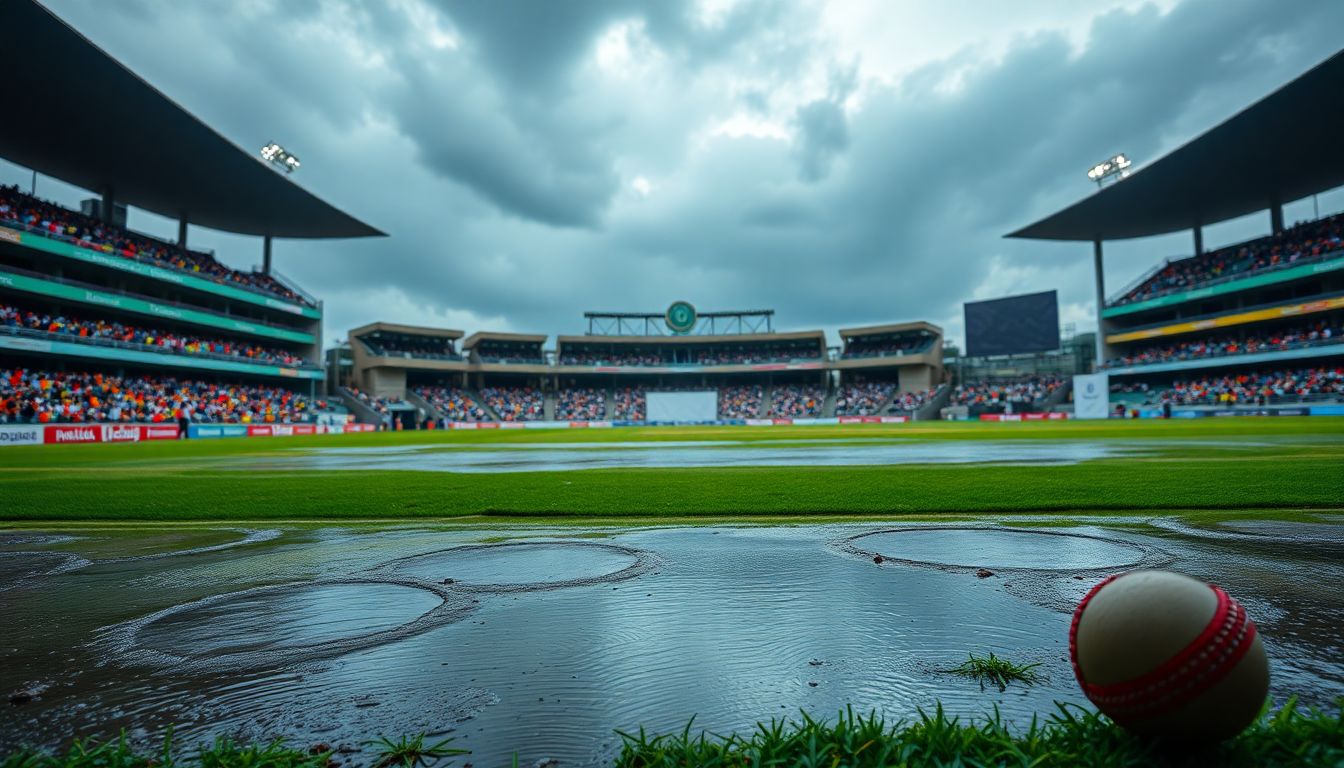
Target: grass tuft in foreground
(413, 752)
(406, 752)
(1069, 738)
(996, 671)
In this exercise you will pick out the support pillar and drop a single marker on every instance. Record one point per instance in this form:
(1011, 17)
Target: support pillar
(1199, 239)
(109, 201)
(266, 255)
(1099, 268)
(1276, 218)
(182, 231)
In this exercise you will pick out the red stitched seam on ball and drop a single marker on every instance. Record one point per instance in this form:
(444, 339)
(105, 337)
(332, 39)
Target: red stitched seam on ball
(1217, 650)
(1202, 681)
(1171, 667)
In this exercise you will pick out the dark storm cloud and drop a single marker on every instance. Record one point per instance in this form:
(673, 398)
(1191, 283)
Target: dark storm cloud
(503, 164)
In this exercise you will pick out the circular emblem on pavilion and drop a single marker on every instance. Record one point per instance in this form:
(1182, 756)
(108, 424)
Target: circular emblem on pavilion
(681, 317)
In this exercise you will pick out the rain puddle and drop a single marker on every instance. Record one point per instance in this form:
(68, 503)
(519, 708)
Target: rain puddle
(543, 646)
(538, 565)
(577, 456)
(997, 548)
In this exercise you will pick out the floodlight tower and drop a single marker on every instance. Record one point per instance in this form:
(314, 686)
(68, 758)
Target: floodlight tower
(277, 155)
(1114, 169)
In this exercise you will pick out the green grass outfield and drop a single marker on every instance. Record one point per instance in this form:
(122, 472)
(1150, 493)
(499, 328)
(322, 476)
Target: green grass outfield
(1266, 465)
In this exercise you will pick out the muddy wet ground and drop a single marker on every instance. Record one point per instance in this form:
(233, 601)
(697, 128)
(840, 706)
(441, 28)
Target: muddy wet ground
(543, 643)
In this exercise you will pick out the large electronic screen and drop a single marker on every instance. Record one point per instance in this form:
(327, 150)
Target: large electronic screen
(1013, 326)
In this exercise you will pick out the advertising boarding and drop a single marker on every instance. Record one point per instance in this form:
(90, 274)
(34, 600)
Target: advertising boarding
(1092, 396)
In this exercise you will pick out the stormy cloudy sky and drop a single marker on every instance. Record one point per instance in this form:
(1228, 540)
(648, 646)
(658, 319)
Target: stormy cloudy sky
(843, 163)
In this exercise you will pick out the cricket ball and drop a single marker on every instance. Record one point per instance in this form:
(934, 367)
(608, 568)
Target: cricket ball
(1169, 657)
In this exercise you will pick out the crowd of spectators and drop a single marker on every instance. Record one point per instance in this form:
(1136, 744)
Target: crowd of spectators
(1252, 388)
(753, 354)
(580, 404)
(426, 346)
(907, 403)
(624, 358)
(1021, 392)
(743, 354)
(628, 404)
(1305, 241)
(54, 221)
(509, 352)
(28, 396)
(1320, 332)
(75, 328)
(886, 346)
(797, 400)
(515, 403)
(862, 398)
(741, 402)
(455, 404)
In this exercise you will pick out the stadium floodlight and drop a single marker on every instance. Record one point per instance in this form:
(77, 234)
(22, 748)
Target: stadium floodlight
(277, 155)
(1115, 168)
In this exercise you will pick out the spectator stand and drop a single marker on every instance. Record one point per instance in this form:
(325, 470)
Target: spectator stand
(576, 355)
(385, 411)
(1012, 396)
(909, 353)
(488, 348)
(65, 327)
(1233, 390)
(35, 396)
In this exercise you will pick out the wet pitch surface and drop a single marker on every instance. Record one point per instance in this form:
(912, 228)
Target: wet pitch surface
(560, 457)
(543, 643)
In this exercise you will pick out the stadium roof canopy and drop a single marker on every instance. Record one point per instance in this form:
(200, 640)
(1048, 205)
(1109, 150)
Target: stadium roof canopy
(80, 116)
(1282, 148)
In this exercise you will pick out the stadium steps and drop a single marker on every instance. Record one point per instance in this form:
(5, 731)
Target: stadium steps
(828, 405)
(424, 405)
(1058, 397)
(891, 398)
(548, 406)
(362, 412)
(767, 402)
(476, 396)
(932, 409)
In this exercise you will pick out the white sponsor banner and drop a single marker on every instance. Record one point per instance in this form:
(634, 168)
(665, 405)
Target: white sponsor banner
(1092, 396)
(121, 433)
(682, 406)
(20, 434)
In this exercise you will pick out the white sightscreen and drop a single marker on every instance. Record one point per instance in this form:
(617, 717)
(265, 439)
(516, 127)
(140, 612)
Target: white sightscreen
(682, 406)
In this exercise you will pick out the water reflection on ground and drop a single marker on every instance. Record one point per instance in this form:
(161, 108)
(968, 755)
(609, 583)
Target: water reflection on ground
(535, 457)
(646, 626)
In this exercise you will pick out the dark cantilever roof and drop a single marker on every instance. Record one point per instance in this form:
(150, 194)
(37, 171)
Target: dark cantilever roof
(1282, 148)
(77, 114)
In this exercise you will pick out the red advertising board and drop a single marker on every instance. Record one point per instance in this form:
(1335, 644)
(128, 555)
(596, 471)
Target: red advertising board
(73, 433)
(1023, 416)
(158, 432)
